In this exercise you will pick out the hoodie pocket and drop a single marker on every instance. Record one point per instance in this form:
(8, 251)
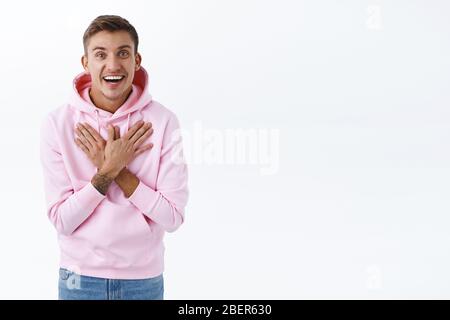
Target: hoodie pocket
(112, 225)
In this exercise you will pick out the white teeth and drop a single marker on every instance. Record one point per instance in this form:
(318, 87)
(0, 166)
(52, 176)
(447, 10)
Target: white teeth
(113, 77)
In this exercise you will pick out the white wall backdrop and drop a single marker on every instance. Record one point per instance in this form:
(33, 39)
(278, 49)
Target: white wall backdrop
(341, 187)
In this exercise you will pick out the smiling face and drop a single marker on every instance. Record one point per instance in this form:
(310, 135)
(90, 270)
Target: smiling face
(111, 61)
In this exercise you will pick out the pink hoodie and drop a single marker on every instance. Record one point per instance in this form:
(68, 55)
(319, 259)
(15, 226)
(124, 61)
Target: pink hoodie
(113, 236)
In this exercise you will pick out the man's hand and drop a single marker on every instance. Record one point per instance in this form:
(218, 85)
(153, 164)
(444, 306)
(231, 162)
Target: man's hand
(120, 152)
(93, 145)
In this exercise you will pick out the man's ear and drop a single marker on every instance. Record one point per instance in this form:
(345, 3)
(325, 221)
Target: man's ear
(138, 61)
(84, 62)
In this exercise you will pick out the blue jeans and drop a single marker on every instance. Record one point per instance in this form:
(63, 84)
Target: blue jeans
(73, 286)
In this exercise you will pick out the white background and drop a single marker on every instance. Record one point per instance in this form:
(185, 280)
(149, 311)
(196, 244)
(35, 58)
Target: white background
(358, 90)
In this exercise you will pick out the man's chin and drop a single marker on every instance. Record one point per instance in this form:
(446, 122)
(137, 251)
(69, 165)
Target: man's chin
(112, 96)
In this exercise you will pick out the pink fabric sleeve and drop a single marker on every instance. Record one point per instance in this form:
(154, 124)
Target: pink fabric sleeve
(66, 209)
(166, 204)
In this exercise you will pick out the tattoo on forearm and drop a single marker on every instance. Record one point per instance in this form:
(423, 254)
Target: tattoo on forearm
(101, 182)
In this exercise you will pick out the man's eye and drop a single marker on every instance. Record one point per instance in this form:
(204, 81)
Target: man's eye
(123, 53)
(100, 55)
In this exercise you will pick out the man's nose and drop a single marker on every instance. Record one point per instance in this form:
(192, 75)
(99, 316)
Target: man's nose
(113, 63)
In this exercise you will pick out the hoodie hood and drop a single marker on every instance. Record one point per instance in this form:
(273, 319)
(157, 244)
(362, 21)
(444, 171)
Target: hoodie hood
(83, 106)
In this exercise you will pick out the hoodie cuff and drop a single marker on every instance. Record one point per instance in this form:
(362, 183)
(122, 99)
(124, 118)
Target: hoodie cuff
(89, 195)
(144, 198)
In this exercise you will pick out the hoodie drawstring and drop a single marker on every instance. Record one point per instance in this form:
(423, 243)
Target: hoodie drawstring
(128, 123)
(98, 121)
(78, 112)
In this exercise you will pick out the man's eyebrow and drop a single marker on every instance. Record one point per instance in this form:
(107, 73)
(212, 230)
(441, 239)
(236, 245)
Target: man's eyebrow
(121, 47)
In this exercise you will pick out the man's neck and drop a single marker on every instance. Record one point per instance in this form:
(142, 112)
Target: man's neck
(108, 105)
